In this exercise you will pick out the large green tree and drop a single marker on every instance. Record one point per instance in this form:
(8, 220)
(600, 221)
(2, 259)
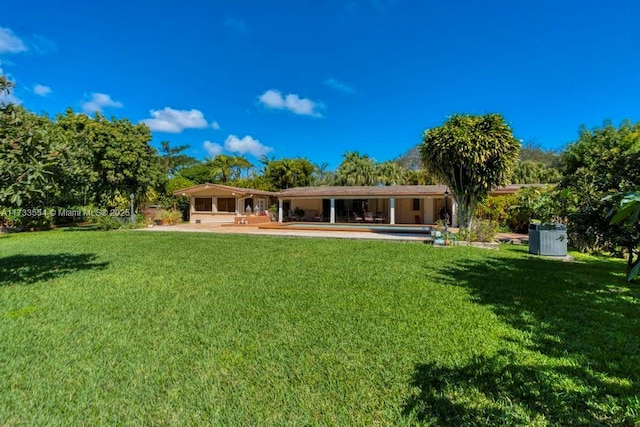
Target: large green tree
(31, 150)
(288, 173)
(603, 162)
(472, 155)
(172, 159)
(111, 158)
(357, 170)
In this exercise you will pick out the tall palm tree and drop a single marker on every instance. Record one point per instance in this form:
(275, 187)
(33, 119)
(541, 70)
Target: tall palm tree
(221, 168)
(240, 163)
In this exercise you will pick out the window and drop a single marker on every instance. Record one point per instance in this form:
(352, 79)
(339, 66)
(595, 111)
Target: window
(416, 204)
(203, 204)
(226, 204)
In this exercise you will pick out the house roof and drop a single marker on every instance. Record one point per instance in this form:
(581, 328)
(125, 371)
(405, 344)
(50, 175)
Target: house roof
(377, 191)
(343, 191)
(385, 191)
(237, 190)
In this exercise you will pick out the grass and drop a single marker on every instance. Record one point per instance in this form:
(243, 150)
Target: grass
(129, 327)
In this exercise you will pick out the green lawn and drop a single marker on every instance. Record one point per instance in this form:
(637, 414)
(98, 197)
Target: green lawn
(130, 327)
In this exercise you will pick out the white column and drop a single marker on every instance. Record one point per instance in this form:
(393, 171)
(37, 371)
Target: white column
(454, 213)
(280, 212)
(392, 208)
(332, 217)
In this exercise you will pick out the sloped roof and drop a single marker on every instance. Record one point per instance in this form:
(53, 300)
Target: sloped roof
(344, 191)
(377, 191)
(239, 191)
(385, 191)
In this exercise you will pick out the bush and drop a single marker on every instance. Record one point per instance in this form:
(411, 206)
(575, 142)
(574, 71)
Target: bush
(517, 211)
(172, 216)
(482, 230)
(107, 222)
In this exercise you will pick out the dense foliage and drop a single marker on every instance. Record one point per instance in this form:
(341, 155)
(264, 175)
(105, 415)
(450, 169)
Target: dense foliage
(472, 155)
(602, 162)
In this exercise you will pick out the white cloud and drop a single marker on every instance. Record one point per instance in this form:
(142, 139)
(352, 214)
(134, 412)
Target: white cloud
(10, 43)
(215, 125)
(175, 121)
(342, 87)
(98, 102)
(9, 98)
(236, 25)
(212, 148)
(292, 102)
(246, 145)
(41, 90)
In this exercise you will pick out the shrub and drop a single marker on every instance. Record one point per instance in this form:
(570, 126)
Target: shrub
(107, 222)
(172, 216)
(517, 211)
(482, 230)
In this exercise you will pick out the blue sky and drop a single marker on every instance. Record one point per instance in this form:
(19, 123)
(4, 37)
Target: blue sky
(318, 78)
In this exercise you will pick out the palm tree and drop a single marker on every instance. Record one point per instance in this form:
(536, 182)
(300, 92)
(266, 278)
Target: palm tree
(391, 173)
(357, 170)
(222, 168)
(240, 163)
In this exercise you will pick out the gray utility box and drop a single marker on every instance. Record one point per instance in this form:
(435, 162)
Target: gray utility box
(548, 239)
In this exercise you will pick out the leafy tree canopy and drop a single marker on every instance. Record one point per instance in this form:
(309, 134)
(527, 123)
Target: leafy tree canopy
(472, 155)
(602, 162)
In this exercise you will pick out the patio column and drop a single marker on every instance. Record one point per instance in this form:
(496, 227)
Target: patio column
(332, 217)
(454, 213)
(392, 208)
(280, 212)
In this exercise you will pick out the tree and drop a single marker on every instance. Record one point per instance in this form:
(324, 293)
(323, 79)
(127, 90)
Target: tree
(111, 157)
(172, 159)
(532, 151)
(629, 211)
(30, 151)
(415, 173)
(224, 168)
(288, 173)
(534, 172)
(601, 164)
(472, 155)
(357, 170)
(391, 173)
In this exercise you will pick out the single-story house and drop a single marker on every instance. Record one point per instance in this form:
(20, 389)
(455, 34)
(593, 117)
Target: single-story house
(216, 203)
(396, 204)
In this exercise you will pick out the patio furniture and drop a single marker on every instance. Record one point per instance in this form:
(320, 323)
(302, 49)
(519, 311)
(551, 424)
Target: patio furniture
(380, 217)
(368, 217)
(355, 217)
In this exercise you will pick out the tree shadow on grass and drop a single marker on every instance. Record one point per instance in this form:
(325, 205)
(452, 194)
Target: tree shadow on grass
(28, 269)
(579, 363)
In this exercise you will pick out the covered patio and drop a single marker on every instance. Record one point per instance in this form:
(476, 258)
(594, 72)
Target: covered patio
(401, 204)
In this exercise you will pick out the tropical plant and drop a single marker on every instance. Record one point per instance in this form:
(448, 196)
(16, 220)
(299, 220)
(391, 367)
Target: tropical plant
(602, 162)
(471, 155)
(31, 150)
(357, 170)
(391, 173)
(288, 173)
(629, 211)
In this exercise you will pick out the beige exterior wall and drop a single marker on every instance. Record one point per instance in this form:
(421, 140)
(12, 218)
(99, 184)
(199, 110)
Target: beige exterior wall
(405, 213)
(212, 218)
